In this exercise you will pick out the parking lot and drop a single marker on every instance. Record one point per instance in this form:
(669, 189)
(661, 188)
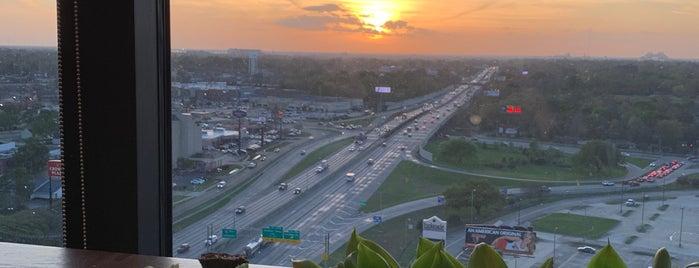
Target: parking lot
(663, 231)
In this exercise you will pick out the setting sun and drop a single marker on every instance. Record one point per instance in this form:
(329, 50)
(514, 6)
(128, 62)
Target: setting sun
(375, 15)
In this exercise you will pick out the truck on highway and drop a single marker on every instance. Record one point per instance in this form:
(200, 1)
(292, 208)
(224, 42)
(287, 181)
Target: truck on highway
(254, 247)
(322, 166)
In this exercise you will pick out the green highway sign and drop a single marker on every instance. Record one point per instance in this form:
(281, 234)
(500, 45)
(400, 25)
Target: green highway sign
(229, 233)
(362, 203)
(273, 234)
(292, 235)
(277, 234)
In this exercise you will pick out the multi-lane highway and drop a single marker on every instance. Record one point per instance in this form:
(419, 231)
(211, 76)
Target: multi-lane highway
(328, 202)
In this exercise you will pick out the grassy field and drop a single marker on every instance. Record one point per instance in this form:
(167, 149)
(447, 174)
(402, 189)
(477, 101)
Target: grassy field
(495, 154)
(574, 225)
(410, 181)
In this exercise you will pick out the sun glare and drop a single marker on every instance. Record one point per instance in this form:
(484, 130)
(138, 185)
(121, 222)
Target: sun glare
(374, 15)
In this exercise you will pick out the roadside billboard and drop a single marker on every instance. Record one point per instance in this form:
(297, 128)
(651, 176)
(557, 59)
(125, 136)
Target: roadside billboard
(383, 89)
(505, 240)
(54, 168)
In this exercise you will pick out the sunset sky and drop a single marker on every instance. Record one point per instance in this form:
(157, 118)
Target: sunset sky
(598, 28)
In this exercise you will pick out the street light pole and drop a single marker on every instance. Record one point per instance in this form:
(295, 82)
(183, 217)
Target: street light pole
(472, 195)
(643, 206)
(553, 261)
(681, 222)
(621, 196)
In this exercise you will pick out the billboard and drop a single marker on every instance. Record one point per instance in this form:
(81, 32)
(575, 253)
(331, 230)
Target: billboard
(434, 228)
(505, 240)
(54, 168)
(383, 89)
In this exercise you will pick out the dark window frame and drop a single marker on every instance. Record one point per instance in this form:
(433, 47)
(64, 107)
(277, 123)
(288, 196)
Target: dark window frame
(114, 88)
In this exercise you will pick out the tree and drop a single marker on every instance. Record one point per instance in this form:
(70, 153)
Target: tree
(483, 193)
(32, 156)
(595, 156)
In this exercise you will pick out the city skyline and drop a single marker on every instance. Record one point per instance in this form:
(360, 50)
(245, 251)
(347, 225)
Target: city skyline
(595, 28)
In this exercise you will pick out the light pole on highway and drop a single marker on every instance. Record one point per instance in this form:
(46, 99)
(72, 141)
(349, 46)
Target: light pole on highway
(643, 206)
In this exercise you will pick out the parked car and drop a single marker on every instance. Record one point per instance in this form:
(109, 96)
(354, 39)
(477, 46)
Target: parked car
(587, 249)
(183, 248)
(240, 210)
(283, 186)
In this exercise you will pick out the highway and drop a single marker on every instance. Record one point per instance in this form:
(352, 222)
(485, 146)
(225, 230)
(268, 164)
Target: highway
(328, 202)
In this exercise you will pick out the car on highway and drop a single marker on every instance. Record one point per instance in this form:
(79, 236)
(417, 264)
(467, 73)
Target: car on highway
(297, 190)
(630, 202)
(587, 249)
(183, 248)
(252, 165)
(633, 183)
(197, 181)
(240, 210)
(220, 184)
(212, 239)
(370, 161)
(652, 164)
(303, 152)
(283, 186)
(608, 183)
(351, 149)
(276, 150)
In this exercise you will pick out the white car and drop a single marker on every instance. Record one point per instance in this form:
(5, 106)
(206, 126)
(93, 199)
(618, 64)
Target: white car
(197, 181)
(252, 164)
(608, 183)
(587, 249)
(220, 184)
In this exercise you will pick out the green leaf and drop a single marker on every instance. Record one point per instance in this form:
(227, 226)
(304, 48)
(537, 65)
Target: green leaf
(454, 263)
(694, 264)
(427, 258)
(485, 256)
(367, 257)
(662, 259)
(548, 263)
(390, 261)
(304, 264)
(606, 258)
(352, 243)
(423, 246)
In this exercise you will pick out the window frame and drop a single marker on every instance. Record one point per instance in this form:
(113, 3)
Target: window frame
(114, 93)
